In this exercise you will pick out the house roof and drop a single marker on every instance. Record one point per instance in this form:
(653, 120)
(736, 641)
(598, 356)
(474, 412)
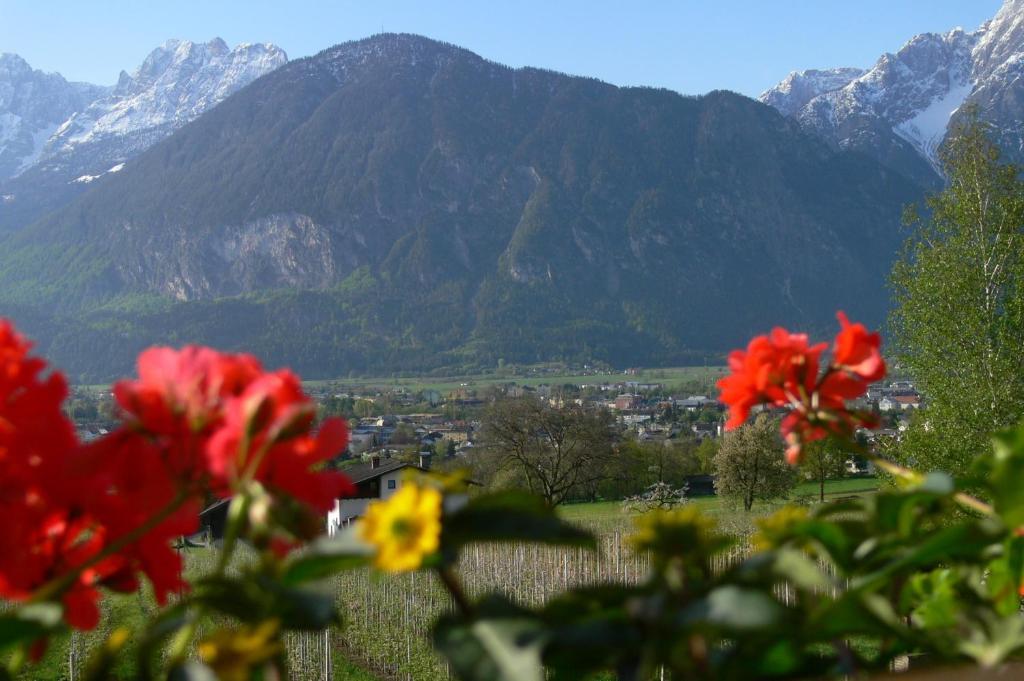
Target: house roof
(364, 471)
(214, 506)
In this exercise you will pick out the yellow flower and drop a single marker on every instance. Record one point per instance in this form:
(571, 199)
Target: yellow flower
(405, 528)
(233, 654)
(774, 530)
(681, 530)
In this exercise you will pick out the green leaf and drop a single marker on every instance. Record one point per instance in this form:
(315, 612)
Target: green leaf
(735, 608)
(593, 628)
(932, 598)
(511, 516)
(327, 556)
(158, 630)
(304, 610)
(900, 512)
(255, 599)
(240, 598)
(799, 570)
(936, 483)
(502, 643)
(994, 642)
(1005, 475)
(967, 541)
(29, 622)
(853, 613)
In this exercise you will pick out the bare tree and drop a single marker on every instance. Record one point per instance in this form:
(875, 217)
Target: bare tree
(557, 451)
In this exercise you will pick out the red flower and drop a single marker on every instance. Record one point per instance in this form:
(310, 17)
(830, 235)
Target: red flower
(45, 533)
(781, 370)
(266, 431)
(129, 485)
(195, 420)
(857, 351)
(179, 400)
(775, 369)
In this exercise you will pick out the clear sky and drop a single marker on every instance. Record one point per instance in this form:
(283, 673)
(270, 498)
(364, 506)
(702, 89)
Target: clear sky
(691, 46)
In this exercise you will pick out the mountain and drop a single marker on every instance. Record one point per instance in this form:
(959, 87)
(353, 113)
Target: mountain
(899, 110)
(398, 204)
(33, 105)
(99, 132)
(800, 87)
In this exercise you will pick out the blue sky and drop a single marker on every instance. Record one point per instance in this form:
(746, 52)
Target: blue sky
(691, 46)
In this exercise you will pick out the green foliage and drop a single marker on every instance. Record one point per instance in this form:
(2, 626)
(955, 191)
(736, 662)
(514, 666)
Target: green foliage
(959, 314)
(705, 455)
(902, 572)
(750, 465)
(510, 516)
(824, 460)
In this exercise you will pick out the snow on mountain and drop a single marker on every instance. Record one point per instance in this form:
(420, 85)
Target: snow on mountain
(915, 93)
(800, 87)
(176, 83)
(56, 138)
(33, 104)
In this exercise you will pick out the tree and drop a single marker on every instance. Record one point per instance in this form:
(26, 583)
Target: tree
(365, 408)
(958, 319)
(750, 464)
(635, 466)
(824, 459)
(405, 434)
(557, 451)
(705, 455)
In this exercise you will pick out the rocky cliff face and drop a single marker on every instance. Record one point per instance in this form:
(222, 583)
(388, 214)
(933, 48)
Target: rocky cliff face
(909, 98)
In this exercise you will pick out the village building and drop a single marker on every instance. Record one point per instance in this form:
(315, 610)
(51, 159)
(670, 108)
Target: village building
(378, 479)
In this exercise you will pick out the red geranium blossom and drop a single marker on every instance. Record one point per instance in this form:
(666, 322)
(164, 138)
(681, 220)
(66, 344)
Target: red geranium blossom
(200, 421)
(45, 534)
(128, 485)
(857, 351)
(774, 369)
(195, 421)
(267, 430)
(781, 370)
(179, 399)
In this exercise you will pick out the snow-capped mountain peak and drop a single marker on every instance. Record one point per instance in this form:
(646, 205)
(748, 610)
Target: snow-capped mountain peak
(57, 138)
(176, 82)
(912, 96)
(800, 87)
(33, 104)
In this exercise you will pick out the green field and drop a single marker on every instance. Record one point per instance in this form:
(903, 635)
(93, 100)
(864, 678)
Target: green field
(603, 511)
(666, 376)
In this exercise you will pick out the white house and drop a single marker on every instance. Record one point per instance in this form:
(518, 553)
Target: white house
(378, 479)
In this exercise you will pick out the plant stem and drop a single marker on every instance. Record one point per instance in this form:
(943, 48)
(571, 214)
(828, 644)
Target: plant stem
(454, 586)
(236, 516)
